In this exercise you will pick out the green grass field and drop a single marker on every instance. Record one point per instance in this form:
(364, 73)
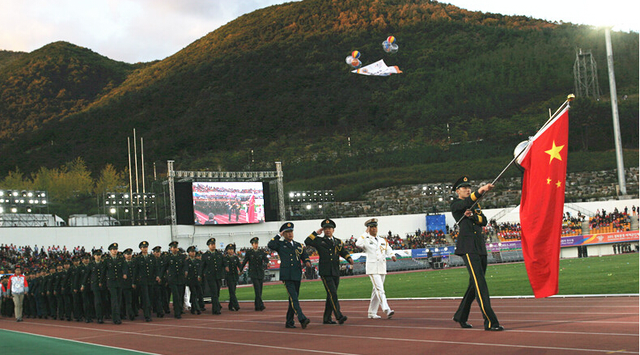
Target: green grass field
(595, 275)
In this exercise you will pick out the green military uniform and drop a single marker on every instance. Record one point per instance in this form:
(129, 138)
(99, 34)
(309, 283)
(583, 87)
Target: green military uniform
(213, 271)
(175, 272)
(257, 260)
(232, 267)
(84, 287)
(292, 255)
(192, 268)
(145, 279)
(128, 269)
(58, 285)
(330, 249)
(114, 268)
(78, 309)
(471, 246)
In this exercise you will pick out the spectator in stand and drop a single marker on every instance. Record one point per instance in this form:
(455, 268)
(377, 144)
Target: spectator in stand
(18, 286)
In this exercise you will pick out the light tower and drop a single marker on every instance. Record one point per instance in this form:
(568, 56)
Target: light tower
(585, 75)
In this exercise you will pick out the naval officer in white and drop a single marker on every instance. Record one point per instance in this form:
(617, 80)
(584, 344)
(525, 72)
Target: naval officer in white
(377, 250)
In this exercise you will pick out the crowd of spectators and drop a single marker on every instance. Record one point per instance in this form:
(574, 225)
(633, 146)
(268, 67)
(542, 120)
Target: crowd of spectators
(422, 239)
(615, 221)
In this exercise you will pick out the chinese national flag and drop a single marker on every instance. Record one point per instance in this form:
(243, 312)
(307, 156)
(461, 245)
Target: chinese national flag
(251, 210)
(542, 203)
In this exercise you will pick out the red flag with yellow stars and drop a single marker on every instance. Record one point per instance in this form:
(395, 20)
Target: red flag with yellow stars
(541, 207)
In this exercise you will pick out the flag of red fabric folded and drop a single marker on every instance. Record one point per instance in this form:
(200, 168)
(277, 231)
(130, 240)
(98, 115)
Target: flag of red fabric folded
(542, 203)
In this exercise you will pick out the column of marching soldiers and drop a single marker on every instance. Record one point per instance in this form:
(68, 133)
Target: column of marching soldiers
(117, 285)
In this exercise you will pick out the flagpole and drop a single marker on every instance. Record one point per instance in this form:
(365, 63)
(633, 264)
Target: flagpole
(570, 98)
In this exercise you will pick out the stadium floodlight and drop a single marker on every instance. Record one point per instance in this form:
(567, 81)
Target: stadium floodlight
(112, 210)
(28, 209)
(14, 209)
(308, 207)
(1, 193)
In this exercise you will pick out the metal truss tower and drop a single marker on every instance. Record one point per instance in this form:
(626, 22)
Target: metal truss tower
(585, 75)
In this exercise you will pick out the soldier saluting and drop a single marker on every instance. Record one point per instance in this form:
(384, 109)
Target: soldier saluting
(292, 256)
(330, 249)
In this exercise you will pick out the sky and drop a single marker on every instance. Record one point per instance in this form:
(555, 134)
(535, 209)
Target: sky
(145, 30)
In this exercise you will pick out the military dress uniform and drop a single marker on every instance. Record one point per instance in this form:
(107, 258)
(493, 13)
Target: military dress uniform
(175, 272)
(159, 295)
(128, 270)
(192, 269)
(114, 268)
(292, 255)
(213, 273)
(377, 251)
(58, 285)
(145, 278)
(52, 304)
(232, 267)
(258, 260)
(471, 246)
(329, 250)
(67, 289)
(78, 274)
(84, 275)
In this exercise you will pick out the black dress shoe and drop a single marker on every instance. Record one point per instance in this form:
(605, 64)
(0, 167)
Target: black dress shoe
(463, 324)
(329, 322)
(495, 328)
(289, 326)
(100, 321)
(147, 319)
(342, 319)
(304, 323)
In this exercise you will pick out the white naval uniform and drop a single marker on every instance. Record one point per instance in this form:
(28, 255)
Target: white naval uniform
(377, 250)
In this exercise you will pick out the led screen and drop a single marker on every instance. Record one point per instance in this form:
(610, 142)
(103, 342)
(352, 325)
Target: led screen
(228, 202)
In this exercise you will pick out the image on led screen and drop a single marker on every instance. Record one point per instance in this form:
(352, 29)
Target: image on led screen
(228, 202)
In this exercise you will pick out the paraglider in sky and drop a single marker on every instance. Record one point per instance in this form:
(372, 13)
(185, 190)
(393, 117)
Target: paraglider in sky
(353, 60)
(389, 45)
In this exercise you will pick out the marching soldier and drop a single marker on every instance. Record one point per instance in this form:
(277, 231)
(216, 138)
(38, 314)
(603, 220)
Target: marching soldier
(232, 271)
(192, 274)
(78, 273)
(145, 278)
(114, 268)
(473, 250)
(257, 260)
(292, 256)
(330, 250)
(67, 288)
(377, 250)
(97, 280)
(58, 285)
(52, 302)
(159, 293)
(213, 272)
(176, 279)
(84, 282)
(128, 270)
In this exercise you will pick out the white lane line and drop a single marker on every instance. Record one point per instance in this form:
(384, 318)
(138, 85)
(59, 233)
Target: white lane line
(193, 339)
(361, 337)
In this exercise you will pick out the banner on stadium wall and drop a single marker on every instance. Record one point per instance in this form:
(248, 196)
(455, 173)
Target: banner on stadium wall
(603, 238)
(442, 251)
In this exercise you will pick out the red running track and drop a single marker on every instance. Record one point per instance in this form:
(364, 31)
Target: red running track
(593, 325)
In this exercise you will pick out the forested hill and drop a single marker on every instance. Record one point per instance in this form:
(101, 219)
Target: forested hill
(274, 81)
